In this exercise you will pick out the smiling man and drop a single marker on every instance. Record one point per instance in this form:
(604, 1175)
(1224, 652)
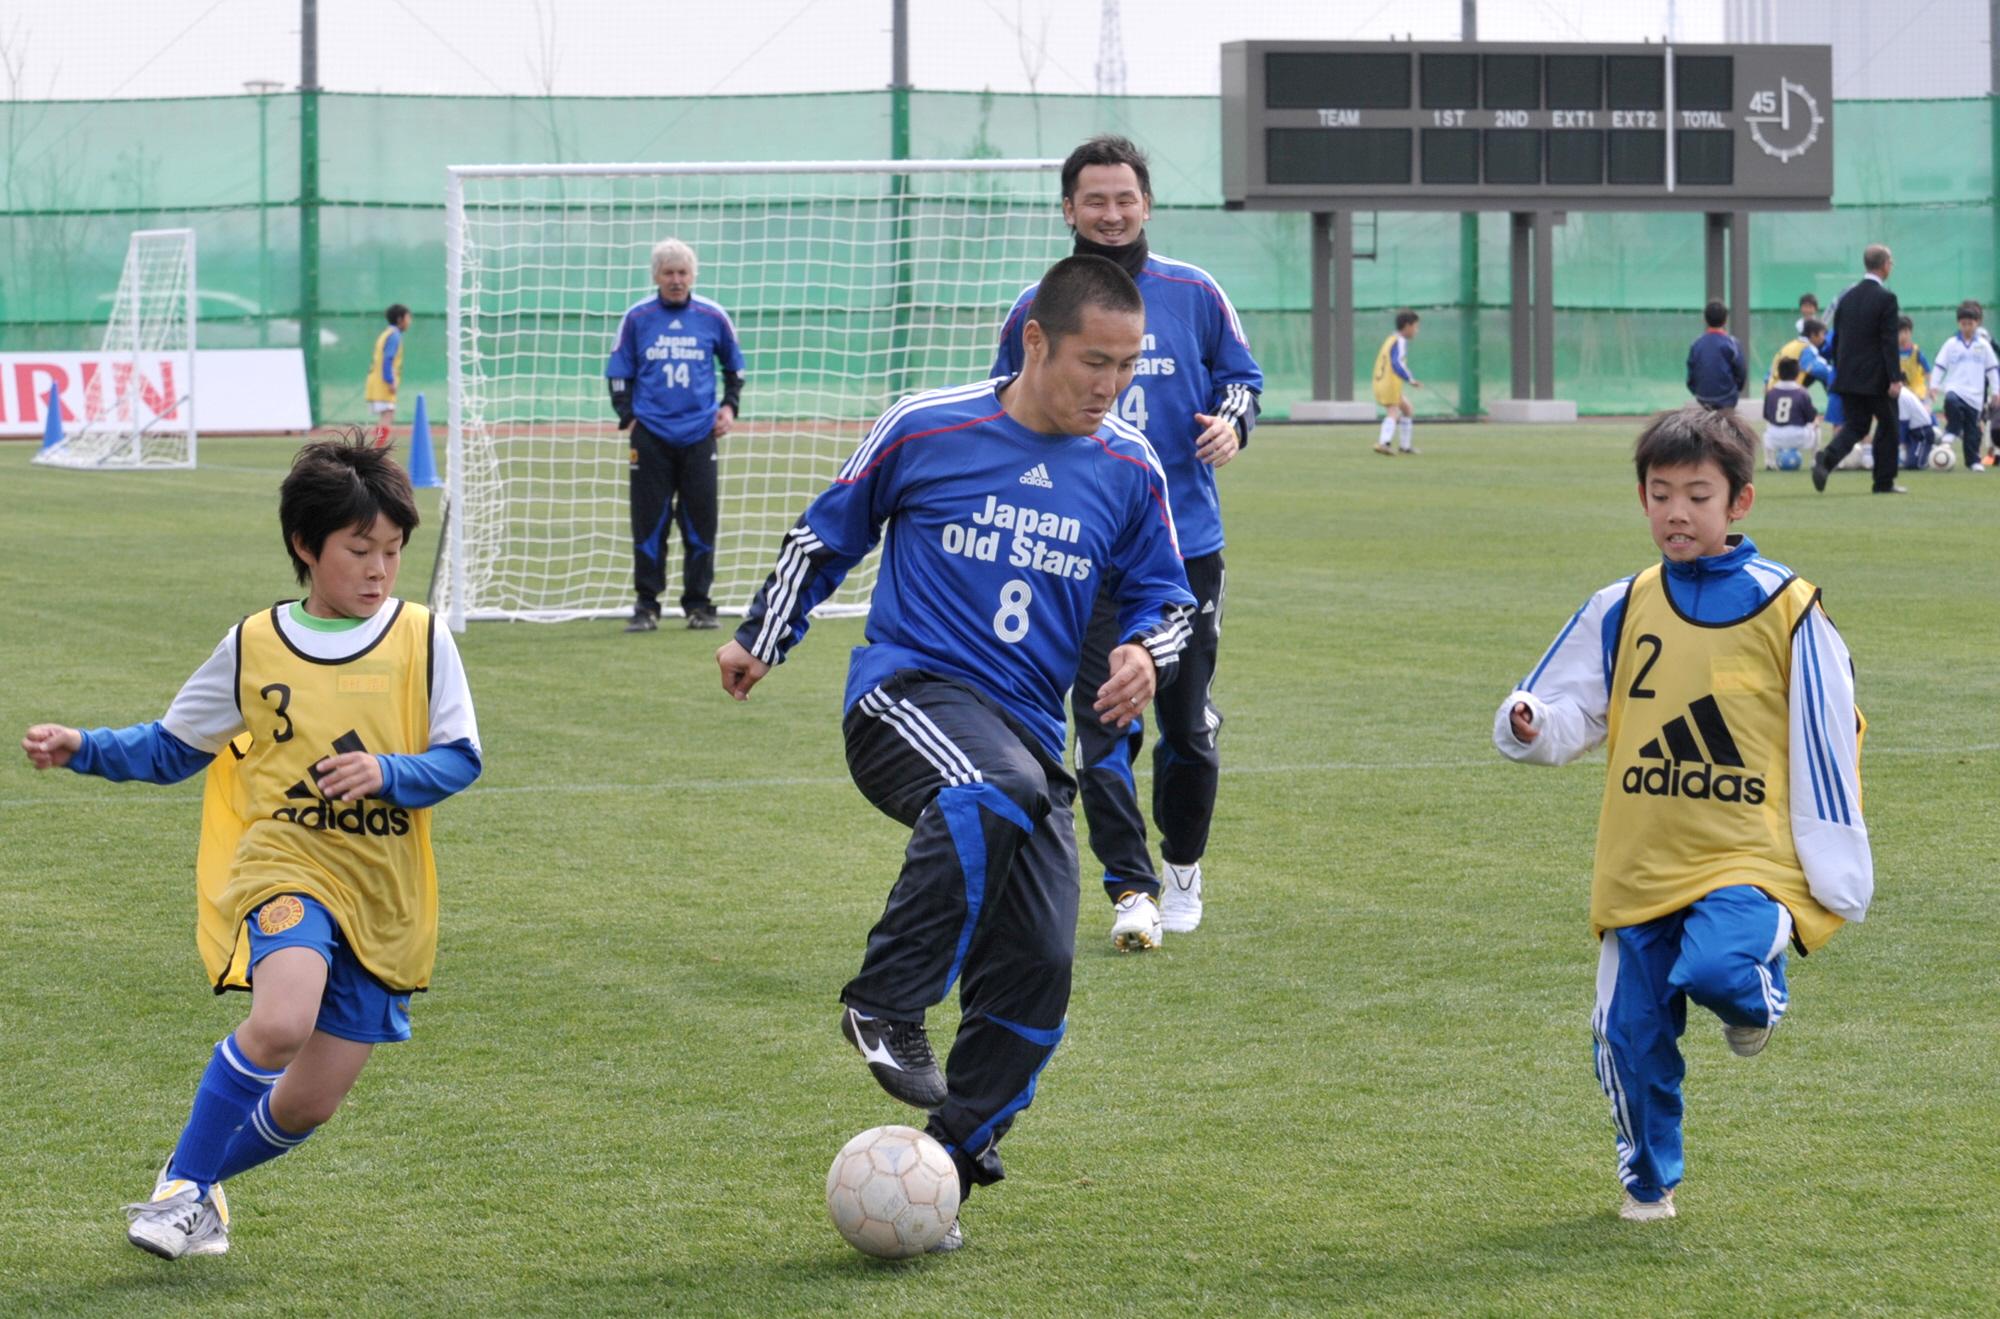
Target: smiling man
(1194, 396)
(1001, 507)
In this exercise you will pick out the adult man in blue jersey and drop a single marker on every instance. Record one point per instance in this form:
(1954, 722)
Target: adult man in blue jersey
(1194, 396)
(1001, 506)
(662, 374)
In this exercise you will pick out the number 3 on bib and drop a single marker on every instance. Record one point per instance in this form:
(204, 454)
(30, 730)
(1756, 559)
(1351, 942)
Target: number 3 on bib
(1132, 408)
(1010, 624)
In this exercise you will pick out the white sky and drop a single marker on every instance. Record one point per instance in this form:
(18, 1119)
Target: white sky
(91, 49)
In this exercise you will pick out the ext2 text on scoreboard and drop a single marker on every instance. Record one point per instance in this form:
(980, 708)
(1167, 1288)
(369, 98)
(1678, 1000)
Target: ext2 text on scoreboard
(1507, 126)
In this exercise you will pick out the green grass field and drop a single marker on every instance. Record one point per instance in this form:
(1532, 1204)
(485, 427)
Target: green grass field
(1364, 1086)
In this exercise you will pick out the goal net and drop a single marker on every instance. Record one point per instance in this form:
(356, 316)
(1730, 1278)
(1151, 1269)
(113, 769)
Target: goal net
(850, 284)
(135, 406)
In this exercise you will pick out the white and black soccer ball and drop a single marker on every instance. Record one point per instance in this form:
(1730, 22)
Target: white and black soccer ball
(892, 1192)
(1942, 458)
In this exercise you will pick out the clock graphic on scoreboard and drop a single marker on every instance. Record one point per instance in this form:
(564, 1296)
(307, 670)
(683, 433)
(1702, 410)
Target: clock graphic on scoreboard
(1778, 128)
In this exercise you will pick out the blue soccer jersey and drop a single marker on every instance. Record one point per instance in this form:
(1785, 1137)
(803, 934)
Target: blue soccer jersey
(1194, 358)
(669, 353)
(996, 540)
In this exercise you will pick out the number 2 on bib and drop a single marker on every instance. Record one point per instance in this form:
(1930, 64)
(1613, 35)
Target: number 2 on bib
(1010, 624)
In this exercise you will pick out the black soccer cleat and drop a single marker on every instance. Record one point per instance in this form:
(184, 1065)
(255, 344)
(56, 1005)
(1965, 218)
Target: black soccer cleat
(645, 618)
(701, 619)
(899, 1053)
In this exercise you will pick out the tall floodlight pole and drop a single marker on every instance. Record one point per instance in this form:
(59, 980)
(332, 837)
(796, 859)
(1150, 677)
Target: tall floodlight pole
(262, 88)
(309, 196)
(1468, 264)
(1110, 51)
(899, 191)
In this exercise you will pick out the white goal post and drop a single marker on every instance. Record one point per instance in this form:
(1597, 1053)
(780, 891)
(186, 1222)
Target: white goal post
(143, 416)
(850, 284)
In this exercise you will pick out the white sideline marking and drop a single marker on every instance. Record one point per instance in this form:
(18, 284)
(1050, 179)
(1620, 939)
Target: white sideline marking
(841, 780)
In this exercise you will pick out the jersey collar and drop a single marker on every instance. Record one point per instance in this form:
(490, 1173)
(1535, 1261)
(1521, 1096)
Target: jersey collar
(1741, 551)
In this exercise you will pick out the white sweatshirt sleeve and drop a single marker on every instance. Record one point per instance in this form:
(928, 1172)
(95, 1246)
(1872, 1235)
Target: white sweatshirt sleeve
(1827, 828)
(1569, 693)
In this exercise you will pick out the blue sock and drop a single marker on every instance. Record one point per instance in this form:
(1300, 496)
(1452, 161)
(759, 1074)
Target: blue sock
(259, 1141)
(229, 1089)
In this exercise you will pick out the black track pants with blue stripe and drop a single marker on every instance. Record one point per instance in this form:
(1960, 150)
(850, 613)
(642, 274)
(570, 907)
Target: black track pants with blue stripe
(673, 483)
(987, 896)
(1187, 764)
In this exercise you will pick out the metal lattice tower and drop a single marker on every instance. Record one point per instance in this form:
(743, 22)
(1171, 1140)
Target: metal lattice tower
(1110, 51)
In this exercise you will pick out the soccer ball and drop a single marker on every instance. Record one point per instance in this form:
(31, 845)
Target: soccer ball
(892, 1192)
(1942, 458)
(1788, 460)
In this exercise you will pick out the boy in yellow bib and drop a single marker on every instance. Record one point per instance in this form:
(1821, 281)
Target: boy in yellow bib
(1392, 376)
(1731, 824)
(329, 727)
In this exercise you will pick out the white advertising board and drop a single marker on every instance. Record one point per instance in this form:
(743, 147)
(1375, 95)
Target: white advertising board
(236, 391)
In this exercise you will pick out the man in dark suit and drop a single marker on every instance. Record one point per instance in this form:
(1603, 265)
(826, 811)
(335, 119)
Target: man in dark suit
(1867, 371)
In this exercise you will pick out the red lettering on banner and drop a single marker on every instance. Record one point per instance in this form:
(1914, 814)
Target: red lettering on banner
(31, 398)
(154, 398)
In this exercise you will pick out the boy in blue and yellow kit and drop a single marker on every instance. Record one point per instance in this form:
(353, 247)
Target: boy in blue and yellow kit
(328, 726)
(1731, 823)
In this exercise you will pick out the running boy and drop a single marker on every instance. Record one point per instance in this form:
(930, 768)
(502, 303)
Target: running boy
(1392, 377)
(1968, 376)
(1731, 823)
(329, 727)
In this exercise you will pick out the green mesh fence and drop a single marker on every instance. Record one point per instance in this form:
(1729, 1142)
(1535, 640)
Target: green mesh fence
(77, 177)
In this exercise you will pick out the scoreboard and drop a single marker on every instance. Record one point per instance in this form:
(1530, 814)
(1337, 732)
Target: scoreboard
(1464, 126)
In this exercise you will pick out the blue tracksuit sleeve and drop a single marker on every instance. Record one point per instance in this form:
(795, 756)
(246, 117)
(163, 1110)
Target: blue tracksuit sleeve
(1739, 367)
(1235, 377)
(146, 752)
(623, 363)
(1150, 583)
(1007, 360)
(429, 777)
(835, 533)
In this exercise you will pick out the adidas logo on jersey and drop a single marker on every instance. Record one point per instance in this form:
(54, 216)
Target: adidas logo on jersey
(674, 324)
(1038, 475)
(1684, 771)
(380, 820)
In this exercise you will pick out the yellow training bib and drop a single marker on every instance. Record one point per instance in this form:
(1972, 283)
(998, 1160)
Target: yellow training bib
(267, 829)
(1388, 385)
(1697, 795)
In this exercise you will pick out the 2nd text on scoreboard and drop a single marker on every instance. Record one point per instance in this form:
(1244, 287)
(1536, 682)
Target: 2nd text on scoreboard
(1461, 126)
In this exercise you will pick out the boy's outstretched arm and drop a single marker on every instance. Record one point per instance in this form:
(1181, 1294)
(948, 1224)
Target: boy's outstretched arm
(1826, 728)
(1558, 711)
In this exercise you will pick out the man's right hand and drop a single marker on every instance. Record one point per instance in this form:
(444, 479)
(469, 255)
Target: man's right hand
(740, 669)
(1521, 719)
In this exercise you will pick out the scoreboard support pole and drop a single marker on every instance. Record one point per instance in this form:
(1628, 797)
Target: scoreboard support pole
(1728, 278)
(1333, 324)
(1532, 323)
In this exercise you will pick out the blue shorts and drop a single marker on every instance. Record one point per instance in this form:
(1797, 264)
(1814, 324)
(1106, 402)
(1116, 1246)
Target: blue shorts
(356, 1006)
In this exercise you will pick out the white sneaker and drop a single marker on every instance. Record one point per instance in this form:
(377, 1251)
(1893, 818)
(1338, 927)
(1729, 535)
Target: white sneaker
(1137, 925)
(1383, 448)
(1180, 897)
(179, 1220)
(1641, 1211)
(1748, 1041)
(953, 1239)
